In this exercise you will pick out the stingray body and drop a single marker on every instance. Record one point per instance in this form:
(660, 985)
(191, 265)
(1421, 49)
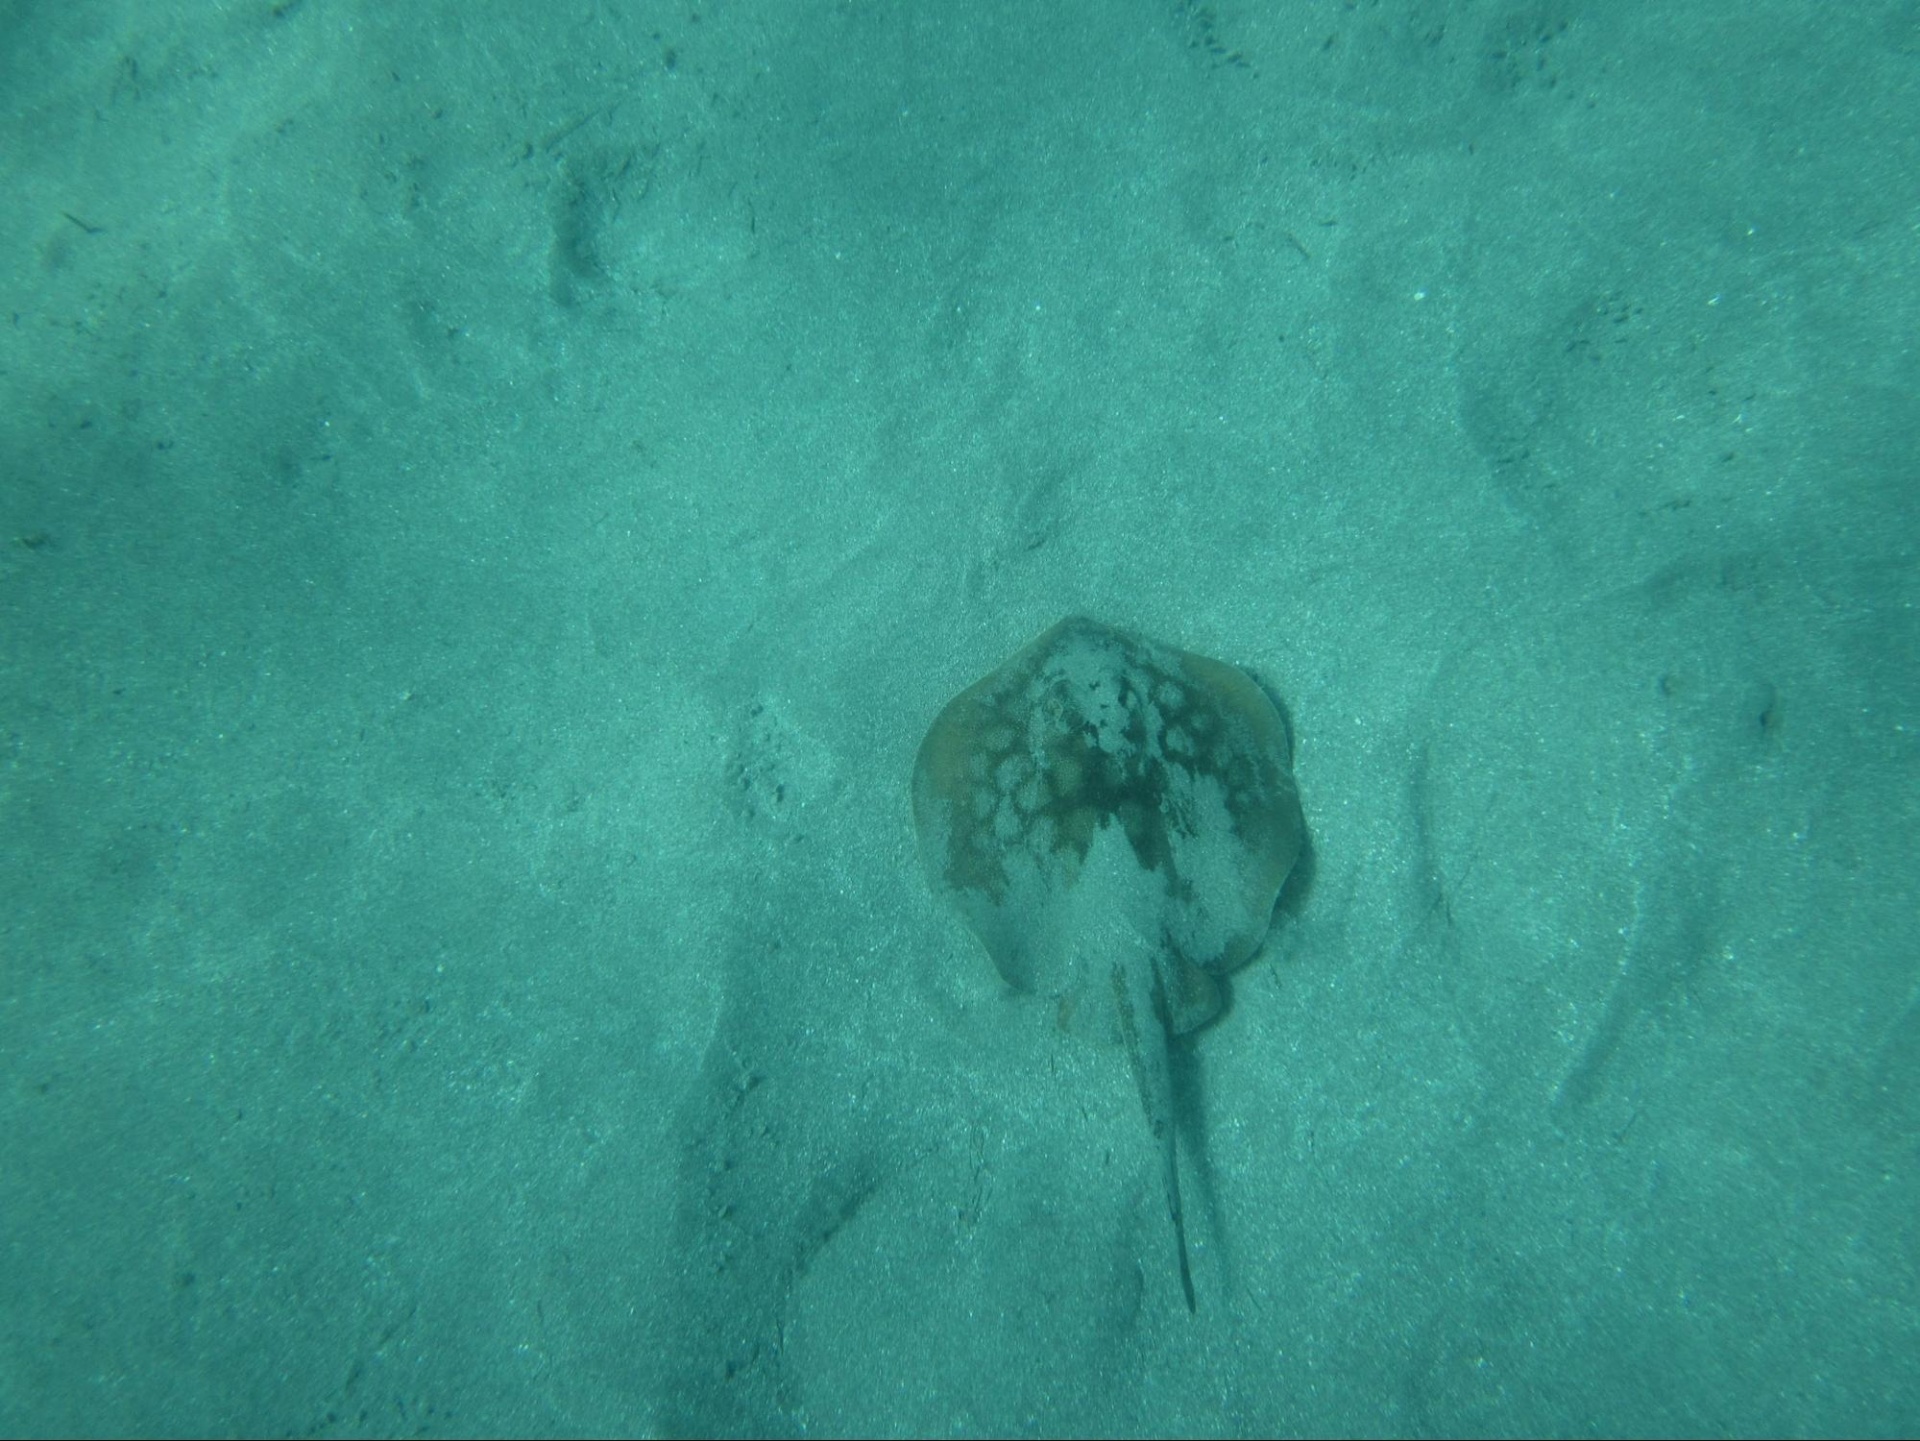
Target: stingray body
(1114, 819)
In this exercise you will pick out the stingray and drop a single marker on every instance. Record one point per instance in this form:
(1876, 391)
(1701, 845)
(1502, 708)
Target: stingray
(1114, 819)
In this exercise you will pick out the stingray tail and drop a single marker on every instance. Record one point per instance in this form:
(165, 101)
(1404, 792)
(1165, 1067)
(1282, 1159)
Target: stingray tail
(1180, 1239)
(1152, 1072)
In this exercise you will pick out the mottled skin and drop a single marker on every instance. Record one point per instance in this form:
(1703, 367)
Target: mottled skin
(1113, 818)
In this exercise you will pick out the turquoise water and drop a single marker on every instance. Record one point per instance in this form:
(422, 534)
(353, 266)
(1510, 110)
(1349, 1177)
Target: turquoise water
(492, 497)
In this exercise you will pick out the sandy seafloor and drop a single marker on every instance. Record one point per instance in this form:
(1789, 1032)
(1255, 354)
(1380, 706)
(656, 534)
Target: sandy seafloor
(493, 494)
